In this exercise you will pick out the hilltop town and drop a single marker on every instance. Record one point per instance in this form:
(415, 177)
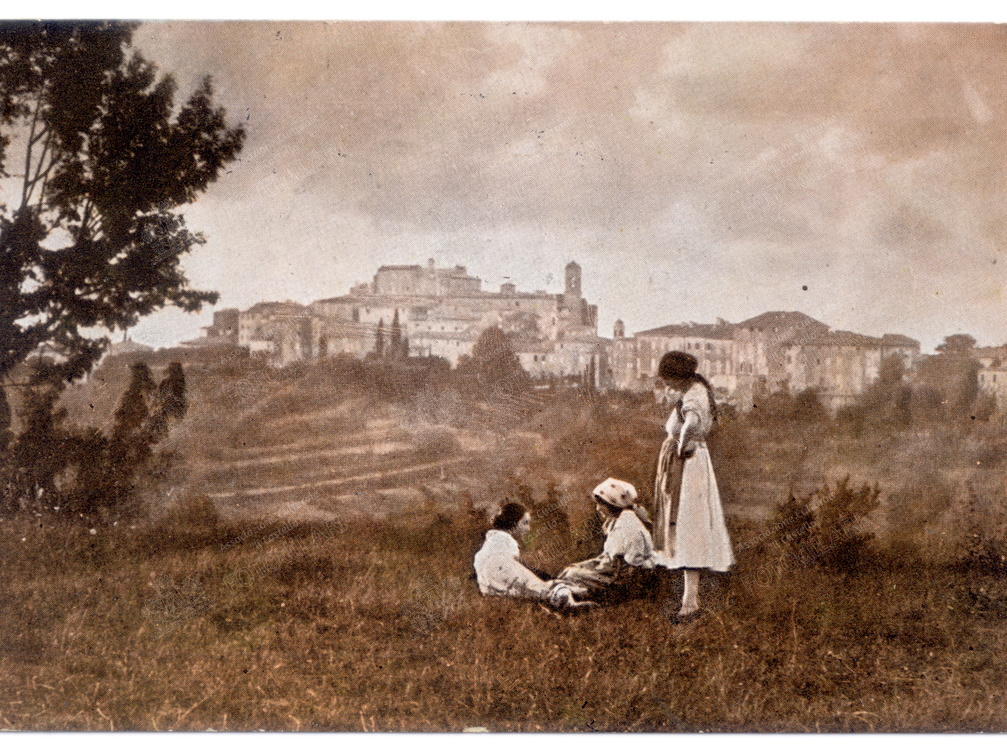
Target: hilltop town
(429, 311)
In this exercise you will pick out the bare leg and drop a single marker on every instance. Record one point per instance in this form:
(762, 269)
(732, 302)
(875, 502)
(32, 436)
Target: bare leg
(690, 592)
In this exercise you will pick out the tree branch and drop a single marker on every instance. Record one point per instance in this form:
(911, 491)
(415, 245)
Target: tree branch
(32, 138)
(40, 174)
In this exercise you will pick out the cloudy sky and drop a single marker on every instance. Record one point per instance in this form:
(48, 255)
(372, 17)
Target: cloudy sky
(854, 172)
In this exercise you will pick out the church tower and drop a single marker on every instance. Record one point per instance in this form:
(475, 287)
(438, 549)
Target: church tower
(572, 281)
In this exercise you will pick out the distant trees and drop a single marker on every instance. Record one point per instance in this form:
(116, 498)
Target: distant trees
(379, 340)
(950, 378)
(397, 345)
(942, 387)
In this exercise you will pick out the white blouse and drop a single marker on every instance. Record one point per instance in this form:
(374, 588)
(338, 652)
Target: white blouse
(629, 538)
(499, 573)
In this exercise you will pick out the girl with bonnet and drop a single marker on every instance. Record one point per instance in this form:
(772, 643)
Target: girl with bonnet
(626, 558)
(689, 528)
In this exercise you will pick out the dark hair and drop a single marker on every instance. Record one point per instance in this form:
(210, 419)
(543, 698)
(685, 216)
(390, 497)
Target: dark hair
(682, 366)
(609, 506)
(510, 515)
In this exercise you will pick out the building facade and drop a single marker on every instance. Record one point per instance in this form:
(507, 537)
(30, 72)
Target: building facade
(426, 311)
(772, 352)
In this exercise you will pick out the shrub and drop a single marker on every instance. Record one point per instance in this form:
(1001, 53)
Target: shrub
(982, 536)
(782, 408)
(83, 472)
(827, 528)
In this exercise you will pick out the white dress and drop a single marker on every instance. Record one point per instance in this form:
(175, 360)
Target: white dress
(700, 533)
(499, 573)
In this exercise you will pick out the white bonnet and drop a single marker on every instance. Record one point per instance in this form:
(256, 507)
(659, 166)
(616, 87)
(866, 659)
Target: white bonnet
(618, 493)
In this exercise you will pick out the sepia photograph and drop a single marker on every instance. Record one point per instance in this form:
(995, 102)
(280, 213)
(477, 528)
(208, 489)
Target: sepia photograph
(503, 376)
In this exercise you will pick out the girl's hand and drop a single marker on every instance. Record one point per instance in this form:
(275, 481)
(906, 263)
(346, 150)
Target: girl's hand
(688, 429)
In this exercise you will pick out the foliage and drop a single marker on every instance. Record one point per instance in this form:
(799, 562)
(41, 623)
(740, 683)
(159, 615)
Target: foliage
(105, 159)
(949, 378)
(984, 530)
(494, 367)
(50, 467)
(804, 408)
(827, 527)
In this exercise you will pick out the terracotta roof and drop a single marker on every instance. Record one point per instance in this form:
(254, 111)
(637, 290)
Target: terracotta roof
(723, 331)
(277, 308)
(836, 338)
(781, 319)
(897, 339)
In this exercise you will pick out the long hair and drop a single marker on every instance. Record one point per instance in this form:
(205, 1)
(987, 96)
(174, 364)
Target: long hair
(682, 366)
(709, 394)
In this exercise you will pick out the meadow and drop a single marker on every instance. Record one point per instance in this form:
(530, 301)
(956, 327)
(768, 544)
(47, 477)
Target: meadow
(285, 575)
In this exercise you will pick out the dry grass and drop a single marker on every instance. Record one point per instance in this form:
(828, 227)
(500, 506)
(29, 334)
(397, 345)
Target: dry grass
(361, 626)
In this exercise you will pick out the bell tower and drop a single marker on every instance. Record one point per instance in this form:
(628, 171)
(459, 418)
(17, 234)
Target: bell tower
(572, 280)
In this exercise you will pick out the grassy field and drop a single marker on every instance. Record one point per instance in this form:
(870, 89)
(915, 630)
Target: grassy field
(289, 577)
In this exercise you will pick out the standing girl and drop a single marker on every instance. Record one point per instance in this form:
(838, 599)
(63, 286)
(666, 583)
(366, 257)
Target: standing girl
(689, 525)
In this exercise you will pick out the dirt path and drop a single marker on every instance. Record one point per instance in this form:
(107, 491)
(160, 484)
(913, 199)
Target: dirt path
(369, 477)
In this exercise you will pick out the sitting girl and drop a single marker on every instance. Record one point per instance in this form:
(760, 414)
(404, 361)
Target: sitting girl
(626, 560)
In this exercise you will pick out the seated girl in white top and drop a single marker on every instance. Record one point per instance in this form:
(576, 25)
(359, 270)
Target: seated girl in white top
(498, 569)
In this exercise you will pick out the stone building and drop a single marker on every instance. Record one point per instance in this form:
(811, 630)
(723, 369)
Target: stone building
(838, 365)
(712, 344)
(775, 351)
(903, 347)
(278, 331)
(992, 373)
(436, 312)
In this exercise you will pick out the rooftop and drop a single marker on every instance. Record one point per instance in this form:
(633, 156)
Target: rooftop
(724, 331)
(836, 338)
(781, 319)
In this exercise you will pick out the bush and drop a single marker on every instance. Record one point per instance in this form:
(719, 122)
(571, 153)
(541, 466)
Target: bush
(782, 408)
(982, 536)
(53, 468)
(827, 528)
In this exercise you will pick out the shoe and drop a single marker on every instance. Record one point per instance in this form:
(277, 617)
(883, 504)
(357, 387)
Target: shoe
(683, 619)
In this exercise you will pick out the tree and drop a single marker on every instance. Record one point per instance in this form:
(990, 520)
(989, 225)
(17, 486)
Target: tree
(379, 340)
(104, 158)
(953, 375)
(958, 343)
(395, 339)
(83, 472)
(494, 364)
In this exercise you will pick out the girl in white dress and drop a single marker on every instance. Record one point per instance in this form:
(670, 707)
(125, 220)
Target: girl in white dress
(690, 528)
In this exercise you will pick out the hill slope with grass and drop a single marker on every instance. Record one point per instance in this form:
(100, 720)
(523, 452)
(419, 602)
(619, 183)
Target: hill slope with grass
(305, 562)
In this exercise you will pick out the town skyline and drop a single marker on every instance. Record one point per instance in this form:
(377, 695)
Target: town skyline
(696, 171)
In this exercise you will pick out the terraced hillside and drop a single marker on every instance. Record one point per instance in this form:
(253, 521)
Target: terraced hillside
(316, 444)
(342, 439)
